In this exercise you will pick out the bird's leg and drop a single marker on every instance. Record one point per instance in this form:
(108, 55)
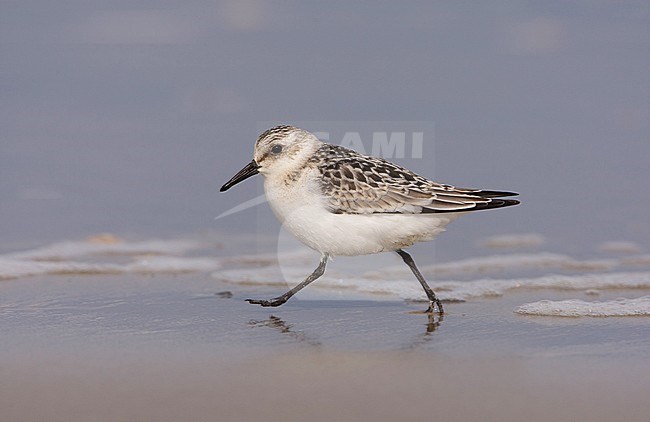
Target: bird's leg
(433, 299)
(277, 301)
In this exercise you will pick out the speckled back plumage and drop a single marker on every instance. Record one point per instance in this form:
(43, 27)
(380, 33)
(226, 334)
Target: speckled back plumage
(358, 184)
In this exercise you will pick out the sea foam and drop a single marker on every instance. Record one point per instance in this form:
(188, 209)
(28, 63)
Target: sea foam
(580, 308)
(98, 257)
(109, 255)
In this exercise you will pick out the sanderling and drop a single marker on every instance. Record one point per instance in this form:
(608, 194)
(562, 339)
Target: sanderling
(340, 202)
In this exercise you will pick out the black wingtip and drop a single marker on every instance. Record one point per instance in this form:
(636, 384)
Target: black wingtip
(494, 194)
(496, 203)
(508, 202)
(493, 203)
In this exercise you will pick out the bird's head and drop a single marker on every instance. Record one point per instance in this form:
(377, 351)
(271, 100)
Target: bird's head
(279, 150)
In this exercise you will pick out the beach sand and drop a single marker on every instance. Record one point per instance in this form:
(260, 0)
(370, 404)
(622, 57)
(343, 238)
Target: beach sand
(322, 385)
(187, 347)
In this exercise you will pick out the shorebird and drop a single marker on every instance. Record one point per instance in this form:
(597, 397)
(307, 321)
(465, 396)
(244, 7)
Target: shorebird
(339, 202)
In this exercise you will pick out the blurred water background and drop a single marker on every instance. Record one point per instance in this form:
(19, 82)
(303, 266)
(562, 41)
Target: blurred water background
(126, 117)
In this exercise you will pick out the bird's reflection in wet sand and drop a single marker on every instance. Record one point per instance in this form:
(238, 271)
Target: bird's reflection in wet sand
(433, 322)
(284, 328)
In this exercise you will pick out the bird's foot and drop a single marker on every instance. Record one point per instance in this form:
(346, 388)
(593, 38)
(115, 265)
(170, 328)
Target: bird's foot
(432, 308)
(266, 302)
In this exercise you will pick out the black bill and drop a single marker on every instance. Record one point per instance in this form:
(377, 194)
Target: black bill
(251, 169)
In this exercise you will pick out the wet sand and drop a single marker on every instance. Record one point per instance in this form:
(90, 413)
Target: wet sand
(187, 347)
(324, 386)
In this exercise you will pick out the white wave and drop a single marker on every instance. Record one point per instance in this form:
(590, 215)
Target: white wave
(152, 256)
(620, 247)
(579, 308)
(409, 288)
(10, 269)
(301, 256)
(98, 255)
(512, 241)
(638, 260)
(463, 290)
(495, 263)
(75, 249)
(168, 264)
(478, 265)
(16, 268)
(277, 276)
(542, 260)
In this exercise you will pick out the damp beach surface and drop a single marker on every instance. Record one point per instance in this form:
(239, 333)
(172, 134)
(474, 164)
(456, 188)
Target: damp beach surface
(109, 329)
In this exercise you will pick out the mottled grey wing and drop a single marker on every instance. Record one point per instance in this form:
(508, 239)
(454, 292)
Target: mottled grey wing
(368, 185)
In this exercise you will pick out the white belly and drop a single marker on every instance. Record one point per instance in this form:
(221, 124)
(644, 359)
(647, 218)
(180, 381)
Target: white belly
(302, 211)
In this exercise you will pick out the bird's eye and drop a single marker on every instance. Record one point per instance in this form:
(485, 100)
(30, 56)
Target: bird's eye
(276, 149)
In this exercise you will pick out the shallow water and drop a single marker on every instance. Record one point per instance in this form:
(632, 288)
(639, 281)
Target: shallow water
(186, 288)
(106, 319)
